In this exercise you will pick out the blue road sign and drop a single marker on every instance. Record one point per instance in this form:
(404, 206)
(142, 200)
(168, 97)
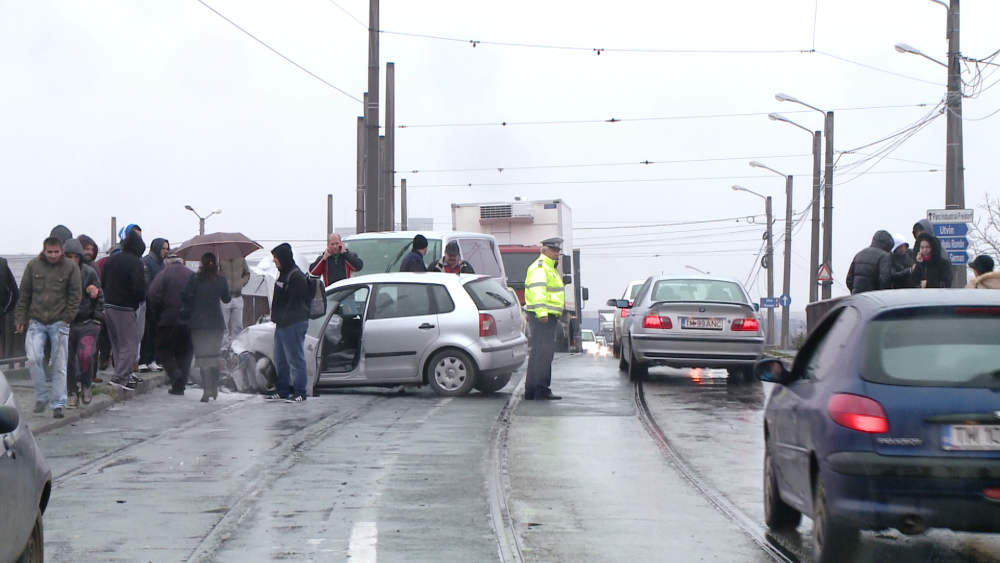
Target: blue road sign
(768, 302)
(960, 258)
(785, 300)
(954, 244)
(951, 229)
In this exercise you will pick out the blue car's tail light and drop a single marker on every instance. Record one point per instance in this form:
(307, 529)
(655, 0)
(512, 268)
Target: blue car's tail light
(858, 413)
(992, 494)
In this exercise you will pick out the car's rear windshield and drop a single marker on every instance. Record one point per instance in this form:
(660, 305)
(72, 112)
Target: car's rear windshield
(635, 290)
(383, 254)
(488, 294)
(698, 290)
(587, 336)
(934, 347)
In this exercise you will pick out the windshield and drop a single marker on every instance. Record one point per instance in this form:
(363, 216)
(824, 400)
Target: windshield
(516, 264)
(488, 294)
(587, 335)
(951, 347)
(378, 254)
(698, 290)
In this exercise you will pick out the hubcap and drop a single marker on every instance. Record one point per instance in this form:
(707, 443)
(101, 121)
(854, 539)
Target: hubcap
(450, 373)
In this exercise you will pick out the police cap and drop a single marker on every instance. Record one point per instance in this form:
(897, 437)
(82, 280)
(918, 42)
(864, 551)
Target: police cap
(553, 242)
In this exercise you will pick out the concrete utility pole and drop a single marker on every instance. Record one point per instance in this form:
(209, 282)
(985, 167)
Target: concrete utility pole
(329, 214)
(371, 123)
(359, 221)
(114, 232)
(828, 206)
(380, 212)
(770, 271)
(389, 163)
(814, 246)
(786, 286)
(955, 161)
(402, 205)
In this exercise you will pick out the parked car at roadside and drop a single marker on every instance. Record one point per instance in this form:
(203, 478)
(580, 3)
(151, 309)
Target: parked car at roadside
(631, 290)
(589, 341)
(25, 484)
(451, 332)
(888, 418)
(690, 321)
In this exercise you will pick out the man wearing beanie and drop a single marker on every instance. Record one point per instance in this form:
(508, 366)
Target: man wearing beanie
(83, 331)
(414, 261)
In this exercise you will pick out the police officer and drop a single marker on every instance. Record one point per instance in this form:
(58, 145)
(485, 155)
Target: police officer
(545, 299)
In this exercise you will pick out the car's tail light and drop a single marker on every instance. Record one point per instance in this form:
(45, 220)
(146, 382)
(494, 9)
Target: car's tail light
(992, 494)
(858, 413)
(653, 320)
(625, 311)
(746, 325)
(487, 325)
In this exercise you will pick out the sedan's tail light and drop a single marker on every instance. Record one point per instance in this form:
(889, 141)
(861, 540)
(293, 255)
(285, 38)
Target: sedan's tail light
(625, 311)
(487, 325)
(653, 320)
(746, 325)
(858, 413)
(992, 494)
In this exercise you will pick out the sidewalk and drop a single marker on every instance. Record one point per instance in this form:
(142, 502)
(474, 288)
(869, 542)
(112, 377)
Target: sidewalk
(104, 397)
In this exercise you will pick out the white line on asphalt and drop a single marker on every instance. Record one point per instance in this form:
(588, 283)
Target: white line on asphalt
(364, 537)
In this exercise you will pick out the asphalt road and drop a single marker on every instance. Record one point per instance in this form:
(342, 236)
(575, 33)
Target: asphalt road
(375, 475)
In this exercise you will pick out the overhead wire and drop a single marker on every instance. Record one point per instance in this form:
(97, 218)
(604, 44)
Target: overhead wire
(276, 52)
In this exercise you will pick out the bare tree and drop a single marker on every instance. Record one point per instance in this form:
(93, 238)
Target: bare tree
(984, 232)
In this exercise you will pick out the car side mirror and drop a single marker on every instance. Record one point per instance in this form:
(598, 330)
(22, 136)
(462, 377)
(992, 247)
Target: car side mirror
(612, 303)
(772, 370)
(567, 279)
(756, 306)
(9, 419)
(621, 303)
(586, 294)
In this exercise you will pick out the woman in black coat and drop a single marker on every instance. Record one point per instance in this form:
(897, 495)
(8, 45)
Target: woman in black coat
(932, 270)
(203, 296)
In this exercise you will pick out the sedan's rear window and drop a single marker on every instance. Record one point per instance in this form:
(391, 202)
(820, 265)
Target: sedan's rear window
(698, 290)
(488, 294)
(949, 347)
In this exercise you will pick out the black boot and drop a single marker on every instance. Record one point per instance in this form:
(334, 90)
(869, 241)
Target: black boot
(206, 385)
(214, 375)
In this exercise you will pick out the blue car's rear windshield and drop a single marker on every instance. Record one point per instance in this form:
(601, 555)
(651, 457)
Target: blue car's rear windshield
(934, 347)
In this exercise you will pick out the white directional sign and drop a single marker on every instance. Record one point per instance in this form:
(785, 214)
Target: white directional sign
(951, 215)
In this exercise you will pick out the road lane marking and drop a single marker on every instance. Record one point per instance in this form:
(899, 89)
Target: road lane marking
(364, 538)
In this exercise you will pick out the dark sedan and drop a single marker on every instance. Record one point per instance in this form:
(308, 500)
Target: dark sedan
(889, 418)
(25, 482)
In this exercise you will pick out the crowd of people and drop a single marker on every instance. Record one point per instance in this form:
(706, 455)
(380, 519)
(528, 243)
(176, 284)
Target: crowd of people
(890, 263)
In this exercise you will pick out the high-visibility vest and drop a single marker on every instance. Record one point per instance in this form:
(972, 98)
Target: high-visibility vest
(544, 293)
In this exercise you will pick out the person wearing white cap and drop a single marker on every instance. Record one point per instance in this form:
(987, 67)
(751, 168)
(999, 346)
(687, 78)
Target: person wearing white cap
(902, 262)
(544, 300)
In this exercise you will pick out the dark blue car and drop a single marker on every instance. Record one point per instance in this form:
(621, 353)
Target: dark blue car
(889, 418)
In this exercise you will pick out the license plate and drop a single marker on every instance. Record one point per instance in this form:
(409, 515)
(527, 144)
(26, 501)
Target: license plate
(971, 437)
(518, 350)
(703, 323)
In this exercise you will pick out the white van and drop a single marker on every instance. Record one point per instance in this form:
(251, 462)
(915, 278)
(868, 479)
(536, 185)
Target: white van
(383, 252)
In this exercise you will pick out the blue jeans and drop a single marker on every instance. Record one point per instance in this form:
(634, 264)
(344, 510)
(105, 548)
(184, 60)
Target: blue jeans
(290, 359)
(57, 334)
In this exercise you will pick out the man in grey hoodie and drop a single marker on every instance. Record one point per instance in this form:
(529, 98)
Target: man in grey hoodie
(83, 331)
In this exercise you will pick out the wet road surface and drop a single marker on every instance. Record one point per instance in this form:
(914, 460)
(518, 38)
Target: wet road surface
(375, 475)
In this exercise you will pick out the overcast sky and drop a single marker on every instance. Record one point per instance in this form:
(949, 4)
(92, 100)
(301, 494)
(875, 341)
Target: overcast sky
(135, 109)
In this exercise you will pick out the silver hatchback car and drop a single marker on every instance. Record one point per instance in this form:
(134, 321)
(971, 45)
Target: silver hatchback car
(25, 484)
(452, 332)
(691, 321)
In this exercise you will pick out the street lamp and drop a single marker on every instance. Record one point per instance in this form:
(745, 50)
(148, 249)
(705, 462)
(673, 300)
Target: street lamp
(201, 220)
(954, 188)
(768, 259)
(827, 190)
(697, 270)
(814, 246)
(787, 282)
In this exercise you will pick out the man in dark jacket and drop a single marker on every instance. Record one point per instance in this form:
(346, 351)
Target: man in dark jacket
(153, 263)
(124, 283)
(872, 267)
(933, 269)
(50, 298)
(173, 337)
(83, 332)
(336, 263)
(290, 313)
(414, 261)
(8, 290)
(451, 262)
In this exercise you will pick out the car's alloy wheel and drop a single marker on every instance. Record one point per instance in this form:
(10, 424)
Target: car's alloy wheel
(34, 552)
(777, 514)
(451, 373)
(832, 542)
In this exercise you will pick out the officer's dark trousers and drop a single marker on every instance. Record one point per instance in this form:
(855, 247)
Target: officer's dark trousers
(543, 348)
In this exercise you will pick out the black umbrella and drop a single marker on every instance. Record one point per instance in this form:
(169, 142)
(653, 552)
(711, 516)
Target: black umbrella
(224, 246)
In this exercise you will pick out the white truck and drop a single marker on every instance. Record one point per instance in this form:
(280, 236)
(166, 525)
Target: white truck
(519, 227)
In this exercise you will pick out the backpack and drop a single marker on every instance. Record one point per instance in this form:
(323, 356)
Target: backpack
(316, 296)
